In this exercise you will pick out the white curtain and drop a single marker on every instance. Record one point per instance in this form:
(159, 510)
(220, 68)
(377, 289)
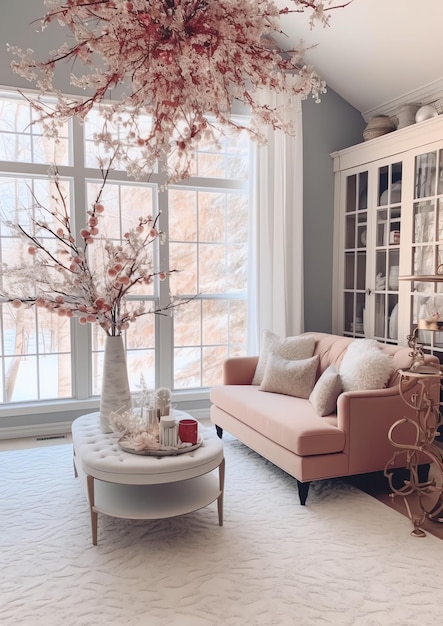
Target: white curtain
(276, 294)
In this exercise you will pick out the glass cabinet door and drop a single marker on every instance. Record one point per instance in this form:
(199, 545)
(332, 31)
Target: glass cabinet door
(356, 223)
(427, 244)
(373, 205)
(387, 251)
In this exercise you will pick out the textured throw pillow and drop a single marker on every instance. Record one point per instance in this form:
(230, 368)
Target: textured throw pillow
(326, 391)
(293, 378)
(365, 366)
(291, 348)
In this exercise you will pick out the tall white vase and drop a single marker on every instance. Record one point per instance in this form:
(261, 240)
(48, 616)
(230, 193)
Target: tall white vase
(115, 384)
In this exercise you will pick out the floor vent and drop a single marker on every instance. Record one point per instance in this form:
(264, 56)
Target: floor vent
(50, 437)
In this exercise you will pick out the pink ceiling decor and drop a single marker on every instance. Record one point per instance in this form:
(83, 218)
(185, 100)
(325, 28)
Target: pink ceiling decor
(182, 63)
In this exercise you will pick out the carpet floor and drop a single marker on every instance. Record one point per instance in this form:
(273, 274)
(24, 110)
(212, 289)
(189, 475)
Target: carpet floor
(344, 559)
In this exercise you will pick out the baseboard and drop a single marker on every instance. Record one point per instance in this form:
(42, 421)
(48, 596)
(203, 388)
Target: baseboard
(55, 429)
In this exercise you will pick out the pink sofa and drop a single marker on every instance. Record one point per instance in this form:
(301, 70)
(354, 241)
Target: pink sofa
(287, 431)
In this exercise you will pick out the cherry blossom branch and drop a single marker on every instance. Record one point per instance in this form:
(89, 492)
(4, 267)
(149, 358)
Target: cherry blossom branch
(186, 61)
(60, 278)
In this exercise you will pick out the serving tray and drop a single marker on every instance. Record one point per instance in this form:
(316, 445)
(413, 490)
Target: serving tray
(128, 446)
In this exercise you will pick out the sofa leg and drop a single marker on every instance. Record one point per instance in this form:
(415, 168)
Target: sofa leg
(219, 430)
(303, 489)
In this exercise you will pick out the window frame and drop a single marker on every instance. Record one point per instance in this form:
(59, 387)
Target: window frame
(36, 414)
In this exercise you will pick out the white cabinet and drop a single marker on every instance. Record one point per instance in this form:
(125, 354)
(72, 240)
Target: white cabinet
(389, 223)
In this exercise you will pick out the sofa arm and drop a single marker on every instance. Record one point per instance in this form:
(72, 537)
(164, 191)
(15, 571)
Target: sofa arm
(367, 416)
(363, 405)
(239, 370)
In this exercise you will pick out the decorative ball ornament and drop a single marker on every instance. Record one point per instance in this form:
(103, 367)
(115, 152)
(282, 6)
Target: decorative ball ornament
(425, 112)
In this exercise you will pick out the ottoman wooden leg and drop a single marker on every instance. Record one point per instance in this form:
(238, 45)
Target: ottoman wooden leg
(221, 477)
(94, 515)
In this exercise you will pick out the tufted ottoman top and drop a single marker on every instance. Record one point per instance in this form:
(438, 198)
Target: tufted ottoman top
(101, 457)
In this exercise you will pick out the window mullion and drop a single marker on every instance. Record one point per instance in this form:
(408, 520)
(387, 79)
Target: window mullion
(164, 341)
(80, 335)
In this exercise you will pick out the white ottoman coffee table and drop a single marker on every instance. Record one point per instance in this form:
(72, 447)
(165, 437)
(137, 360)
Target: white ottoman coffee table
(133, 486)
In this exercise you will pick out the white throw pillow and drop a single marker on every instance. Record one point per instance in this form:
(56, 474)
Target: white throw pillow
(291, 348)
(291, 377)
(326, 391)
(365, 366)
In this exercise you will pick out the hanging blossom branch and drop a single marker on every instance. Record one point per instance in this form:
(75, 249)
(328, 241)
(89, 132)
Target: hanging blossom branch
(182, 62)
(62, 278)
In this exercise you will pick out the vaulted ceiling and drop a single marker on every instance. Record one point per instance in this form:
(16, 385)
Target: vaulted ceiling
(376, 54)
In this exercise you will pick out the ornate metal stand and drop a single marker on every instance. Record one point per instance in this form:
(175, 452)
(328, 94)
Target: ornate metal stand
(425, 424)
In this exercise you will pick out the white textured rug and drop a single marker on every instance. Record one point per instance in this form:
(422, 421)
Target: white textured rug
(343, 559)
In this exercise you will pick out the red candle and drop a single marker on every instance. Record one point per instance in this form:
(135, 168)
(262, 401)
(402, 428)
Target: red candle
(188, 430)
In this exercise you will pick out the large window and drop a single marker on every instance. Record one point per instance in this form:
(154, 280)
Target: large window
(44, 357)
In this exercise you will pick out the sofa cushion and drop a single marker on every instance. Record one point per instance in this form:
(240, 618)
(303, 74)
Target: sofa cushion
(326, 391)
(365, 366)
(293, 378)
(288, 421)
(297, 347)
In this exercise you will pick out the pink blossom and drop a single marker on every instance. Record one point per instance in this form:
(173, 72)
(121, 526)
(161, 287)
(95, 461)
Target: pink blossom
(99, 208)
(71, 286)
(191, 53)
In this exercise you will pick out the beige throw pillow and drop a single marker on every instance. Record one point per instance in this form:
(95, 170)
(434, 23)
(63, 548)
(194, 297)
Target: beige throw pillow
(326, 391)
(293, 378)
(291, 348)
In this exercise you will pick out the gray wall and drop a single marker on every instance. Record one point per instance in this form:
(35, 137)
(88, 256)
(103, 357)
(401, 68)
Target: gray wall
(330, 125)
